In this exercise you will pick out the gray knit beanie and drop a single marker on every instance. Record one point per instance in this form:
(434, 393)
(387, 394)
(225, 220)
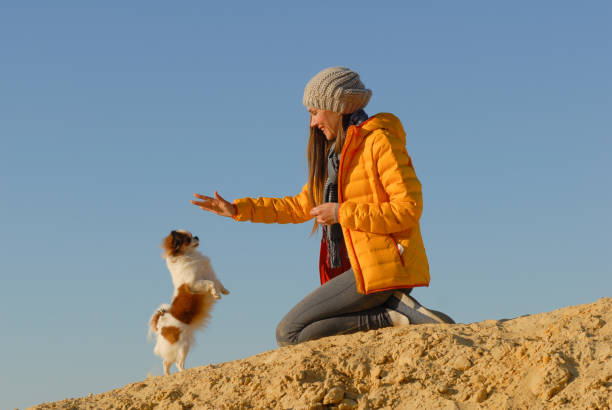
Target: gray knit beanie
(336, 89)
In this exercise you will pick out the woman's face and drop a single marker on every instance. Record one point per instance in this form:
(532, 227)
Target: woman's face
(327, 121)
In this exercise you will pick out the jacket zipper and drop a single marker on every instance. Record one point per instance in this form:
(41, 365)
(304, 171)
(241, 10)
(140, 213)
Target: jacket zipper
(350, 240)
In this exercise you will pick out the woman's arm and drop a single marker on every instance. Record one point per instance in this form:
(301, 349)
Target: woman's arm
(397, 176)
(290, 209)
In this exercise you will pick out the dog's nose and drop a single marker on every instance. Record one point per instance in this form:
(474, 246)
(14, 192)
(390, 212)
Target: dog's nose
(196, 238)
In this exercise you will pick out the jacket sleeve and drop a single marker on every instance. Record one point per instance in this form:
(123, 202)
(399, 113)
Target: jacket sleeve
(403, 189)
(290, 209)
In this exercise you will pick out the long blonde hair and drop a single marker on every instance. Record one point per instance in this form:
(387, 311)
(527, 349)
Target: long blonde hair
(317, 151)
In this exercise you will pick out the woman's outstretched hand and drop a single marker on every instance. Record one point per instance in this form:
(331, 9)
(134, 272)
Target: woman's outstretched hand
(326, 213)
(217, 204)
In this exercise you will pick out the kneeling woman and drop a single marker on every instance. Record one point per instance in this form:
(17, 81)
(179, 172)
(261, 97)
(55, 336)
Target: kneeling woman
(363, 191)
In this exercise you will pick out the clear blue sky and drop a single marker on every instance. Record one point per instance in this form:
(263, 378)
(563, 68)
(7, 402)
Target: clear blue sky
(111, 116)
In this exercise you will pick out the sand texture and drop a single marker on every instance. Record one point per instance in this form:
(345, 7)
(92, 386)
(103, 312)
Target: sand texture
(561, 359)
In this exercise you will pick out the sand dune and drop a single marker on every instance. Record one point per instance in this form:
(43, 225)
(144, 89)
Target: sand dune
(560, 359)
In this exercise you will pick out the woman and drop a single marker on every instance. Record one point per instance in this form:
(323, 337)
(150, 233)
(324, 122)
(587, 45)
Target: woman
(363, 191)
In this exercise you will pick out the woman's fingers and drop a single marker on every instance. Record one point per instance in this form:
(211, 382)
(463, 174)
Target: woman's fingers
(207, 202)
(325, 213)
(198, 203)
(203, 197)
(201, 203)
(205, 207)
(219, 197)
(217, 205)
(324, 221)
(210, 199)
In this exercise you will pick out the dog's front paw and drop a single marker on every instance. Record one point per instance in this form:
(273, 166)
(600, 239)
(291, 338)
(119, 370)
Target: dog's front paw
(206, 286)
(214, 293)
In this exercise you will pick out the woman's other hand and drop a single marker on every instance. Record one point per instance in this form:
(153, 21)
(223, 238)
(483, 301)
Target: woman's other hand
(217, 204)
(326, 213)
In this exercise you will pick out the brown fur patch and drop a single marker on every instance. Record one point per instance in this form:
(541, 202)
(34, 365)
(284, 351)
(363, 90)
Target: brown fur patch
(187, 306)
(171, 333)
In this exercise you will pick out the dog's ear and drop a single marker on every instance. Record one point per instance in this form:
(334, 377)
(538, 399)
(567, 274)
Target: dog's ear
(177, 240)
(169, 244)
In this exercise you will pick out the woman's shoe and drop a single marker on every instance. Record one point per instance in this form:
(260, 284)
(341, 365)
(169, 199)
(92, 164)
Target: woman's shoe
(414, 311)
(397, 319)
(445, 318)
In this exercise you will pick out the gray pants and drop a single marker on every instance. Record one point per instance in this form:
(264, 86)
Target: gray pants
(335, 308)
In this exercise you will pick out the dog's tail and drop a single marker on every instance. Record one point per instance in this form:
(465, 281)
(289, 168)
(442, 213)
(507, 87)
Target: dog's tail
(161, 310)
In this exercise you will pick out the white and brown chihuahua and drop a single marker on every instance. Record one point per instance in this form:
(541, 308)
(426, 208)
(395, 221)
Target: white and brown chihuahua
(196, 289)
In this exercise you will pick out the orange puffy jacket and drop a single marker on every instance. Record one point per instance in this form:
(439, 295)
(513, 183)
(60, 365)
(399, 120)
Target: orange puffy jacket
(380, 206)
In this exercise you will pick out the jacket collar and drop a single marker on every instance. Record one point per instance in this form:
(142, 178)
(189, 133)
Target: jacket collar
(383, 120)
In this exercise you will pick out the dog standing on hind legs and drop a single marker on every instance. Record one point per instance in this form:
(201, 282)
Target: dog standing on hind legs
(196, 289)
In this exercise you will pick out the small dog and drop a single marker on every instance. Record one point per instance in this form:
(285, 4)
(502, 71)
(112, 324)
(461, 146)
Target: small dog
(196, 288)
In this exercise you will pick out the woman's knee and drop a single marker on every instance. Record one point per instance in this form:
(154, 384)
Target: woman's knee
(284, 335)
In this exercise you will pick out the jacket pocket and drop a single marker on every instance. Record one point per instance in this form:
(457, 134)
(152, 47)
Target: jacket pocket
(400, 249)
(385, 244)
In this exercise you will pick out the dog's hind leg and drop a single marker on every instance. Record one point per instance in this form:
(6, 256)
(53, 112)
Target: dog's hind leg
(167, 365)
(180, 361)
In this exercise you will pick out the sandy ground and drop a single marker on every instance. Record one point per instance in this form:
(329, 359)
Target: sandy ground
(561, 359)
